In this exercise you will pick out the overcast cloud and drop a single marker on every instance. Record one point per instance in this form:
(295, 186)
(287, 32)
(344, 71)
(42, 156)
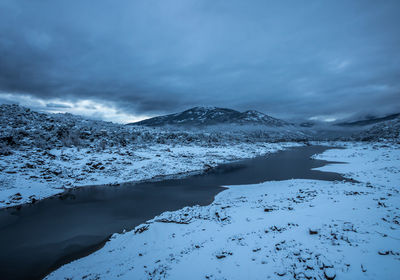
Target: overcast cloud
(140, 58)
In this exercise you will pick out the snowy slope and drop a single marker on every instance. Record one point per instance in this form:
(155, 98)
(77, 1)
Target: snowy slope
(296, 229)
(383, 131)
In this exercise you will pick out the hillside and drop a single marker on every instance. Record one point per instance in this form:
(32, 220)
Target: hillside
(205, 116)
(387, 131)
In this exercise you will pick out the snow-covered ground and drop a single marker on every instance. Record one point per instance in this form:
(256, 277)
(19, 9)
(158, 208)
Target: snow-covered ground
(301, 229)
(33, 174)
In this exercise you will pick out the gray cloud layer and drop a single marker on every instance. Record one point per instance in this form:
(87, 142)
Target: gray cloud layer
(286, 58)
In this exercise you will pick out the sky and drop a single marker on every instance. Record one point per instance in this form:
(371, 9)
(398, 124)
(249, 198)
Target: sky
(127, 60)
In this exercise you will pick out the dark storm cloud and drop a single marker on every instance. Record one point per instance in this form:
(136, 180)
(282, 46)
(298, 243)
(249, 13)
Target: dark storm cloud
(286, 58)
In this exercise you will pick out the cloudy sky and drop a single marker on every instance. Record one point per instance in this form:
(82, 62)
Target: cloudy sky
(125, 60)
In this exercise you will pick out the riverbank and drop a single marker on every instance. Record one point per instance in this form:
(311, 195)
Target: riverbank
(31, 175)
(289, 229)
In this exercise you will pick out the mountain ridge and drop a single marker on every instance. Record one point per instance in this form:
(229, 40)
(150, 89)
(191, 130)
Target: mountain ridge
(205, 116)
(370, 121)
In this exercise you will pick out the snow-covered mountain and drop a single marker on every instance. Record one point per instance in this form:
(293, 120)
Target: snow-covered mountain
(205, 116)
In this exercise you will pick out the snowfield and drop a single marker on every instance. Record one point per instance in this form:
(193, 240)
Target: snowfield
(30, 175)
(294, 229)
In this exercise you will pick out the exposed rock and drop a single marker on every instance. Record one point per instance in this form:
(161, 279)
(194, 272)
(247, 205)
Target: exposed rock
(329, 273)
(383, 252)
(141, 229)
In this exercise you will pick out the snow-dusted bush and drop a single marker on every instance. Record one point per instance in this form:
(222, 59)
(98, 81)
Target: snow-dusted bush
(5, 150)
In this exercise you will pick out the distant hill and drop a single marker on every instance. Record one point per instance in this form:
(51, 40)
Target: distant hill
(204, 116)
(386, 130)
(370, 121)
